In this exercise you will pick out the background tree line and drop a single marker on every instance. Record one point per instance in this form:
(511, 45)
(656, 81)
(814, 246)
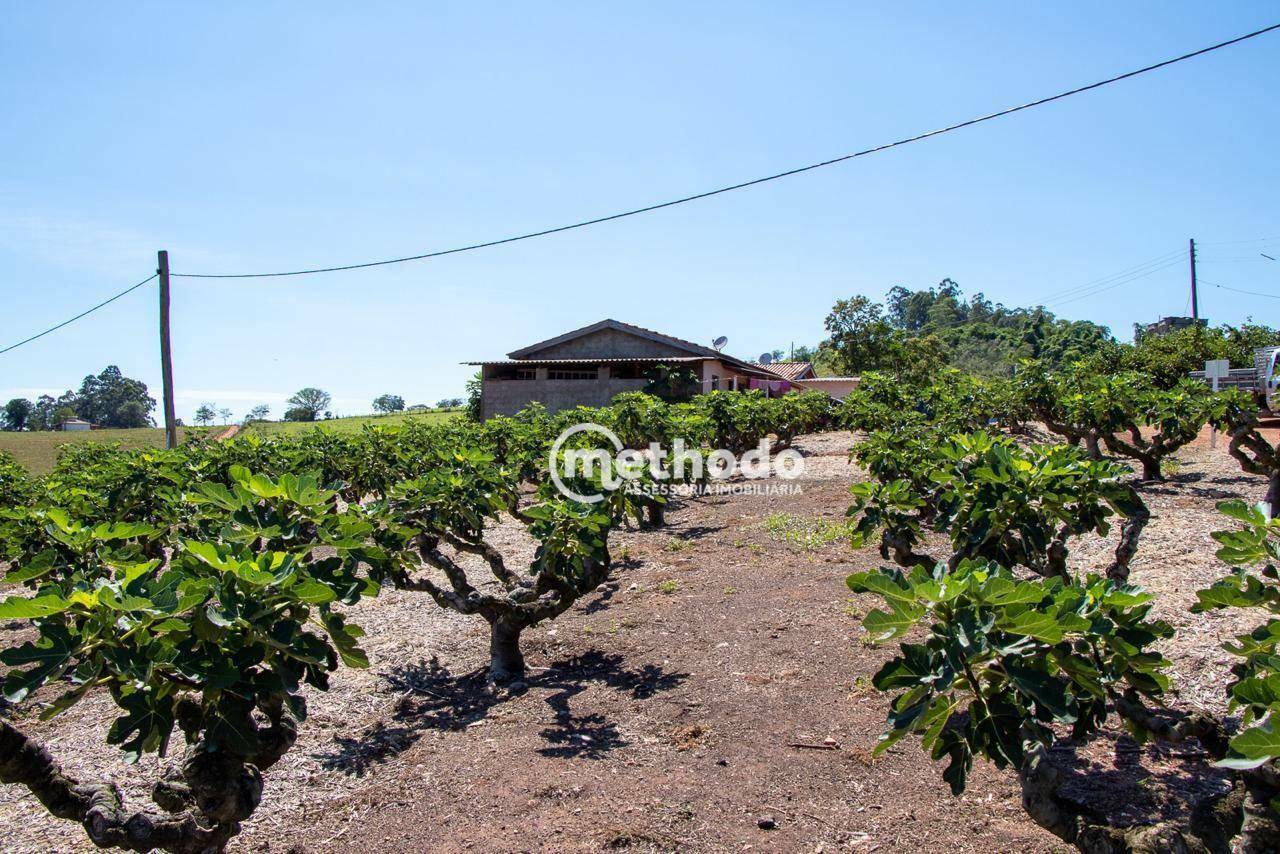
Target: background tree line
(109, 399)
(914, 333)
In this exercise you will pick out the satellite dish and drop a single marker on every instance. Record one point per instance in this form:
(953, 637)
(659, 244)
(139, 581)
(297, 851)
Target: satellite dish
(765, 359)
(719, 343)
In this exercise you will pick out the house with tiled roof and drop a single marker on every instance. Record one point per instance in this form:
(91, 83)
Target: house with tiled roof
(803, 376)
(588, 366)
(789, 370)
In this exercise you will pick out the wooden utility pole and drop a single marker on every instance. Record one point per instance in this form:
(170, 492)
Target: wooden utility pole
(1195, 299)
(166, 355)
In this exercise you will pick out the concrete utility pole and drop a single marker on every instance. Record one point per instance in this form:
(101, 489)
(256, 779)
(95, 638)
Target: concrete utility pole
(166, 355)
(1195, 299)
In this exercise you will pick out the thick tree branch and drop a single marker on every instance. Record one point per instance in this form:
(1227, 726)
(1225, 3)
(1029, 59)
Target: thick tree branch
(100, 810)
(1175, 727)
(491, 556)
(1127, 548)
(457, 575)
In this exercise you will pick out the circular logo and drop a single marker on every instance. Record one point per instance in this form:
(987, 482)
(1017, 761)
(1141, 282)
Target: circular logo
(587, 457)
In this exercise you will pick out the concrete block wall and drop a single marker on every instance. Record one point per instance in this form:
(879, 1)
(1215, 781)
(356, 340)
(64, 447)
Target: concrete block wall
(507, 397)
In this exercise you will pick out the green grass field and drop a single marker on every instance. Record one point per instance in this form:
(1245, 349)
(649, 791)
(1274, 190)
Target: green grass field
(350, 424)
(37, 451)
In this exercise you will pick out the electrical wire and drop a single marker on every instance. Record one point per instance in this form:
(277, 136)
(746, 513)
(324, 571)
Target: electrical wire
(1240, 291)
(102, 304)
(1082, 289)
(1114, 285)
(1237, 242)
(744, 184)
(1168, 256)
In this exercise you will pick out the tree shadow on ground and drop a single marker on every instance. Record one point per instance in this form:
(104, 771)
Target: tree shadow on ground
(1241, 479)
(1139, 785)
(434, 699)
(695, 532)
(1215, 488)
(1212, 493)
(605, 592)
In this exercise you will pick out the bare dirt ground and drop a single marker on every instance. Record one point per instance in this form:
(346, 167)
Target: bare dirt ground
(229, 433)
(719, 679)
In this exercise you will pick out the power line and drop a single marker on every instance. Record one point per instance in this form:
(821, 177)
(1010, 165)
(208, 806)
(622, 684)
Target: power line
(1133, 278)
(1237, 242)
(1168, 256)
(1117, 275)
(1084, 289)
(1239, 291)
(105, 302)
(1124, 281)
(744, 184)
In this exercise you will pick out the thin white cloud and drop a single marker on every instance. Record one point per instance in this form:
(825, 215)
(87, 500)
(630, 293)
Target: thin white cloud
(223, 395)
(29, 392)
(230, 395)
(198, 395)
(71, 242)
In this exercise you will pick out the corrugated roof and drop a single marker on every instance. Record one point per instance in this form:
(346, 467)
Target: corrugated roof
(830, 380)
(786, 370)
(610, 323)
(514, 356)
(600, 361)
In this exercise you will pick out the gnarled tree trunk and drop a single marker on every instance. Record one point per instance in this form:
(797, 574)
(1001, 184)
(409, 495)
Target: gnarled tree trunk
(1127, 548)
(1150, 468)
(1257, 456)
(205, 798)
(506, 662)
(1273, 493)
(519, 602)
(1207, 831)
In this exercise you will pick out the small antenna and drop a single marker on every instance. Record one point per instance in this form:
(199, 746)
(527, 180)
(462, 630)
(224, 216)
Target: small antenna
(765, 359)
(719, 343)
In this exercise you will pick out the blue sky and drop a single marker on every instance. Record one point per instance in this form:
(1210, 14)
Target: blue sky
(244, 136)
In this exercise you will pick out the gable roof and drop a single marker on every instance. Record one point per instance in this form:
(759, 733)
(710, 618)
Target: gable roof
(592, 360)
(608, 323)
(640, 332)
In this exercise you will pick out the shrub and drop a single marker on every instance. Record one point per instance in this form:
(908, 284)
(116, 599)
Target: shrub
(213, 637)
(1238, 416)
(16, 486)
(993, 499)
(1008, 665)
(1013, 657)
(1114, 410)
(438, 519)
